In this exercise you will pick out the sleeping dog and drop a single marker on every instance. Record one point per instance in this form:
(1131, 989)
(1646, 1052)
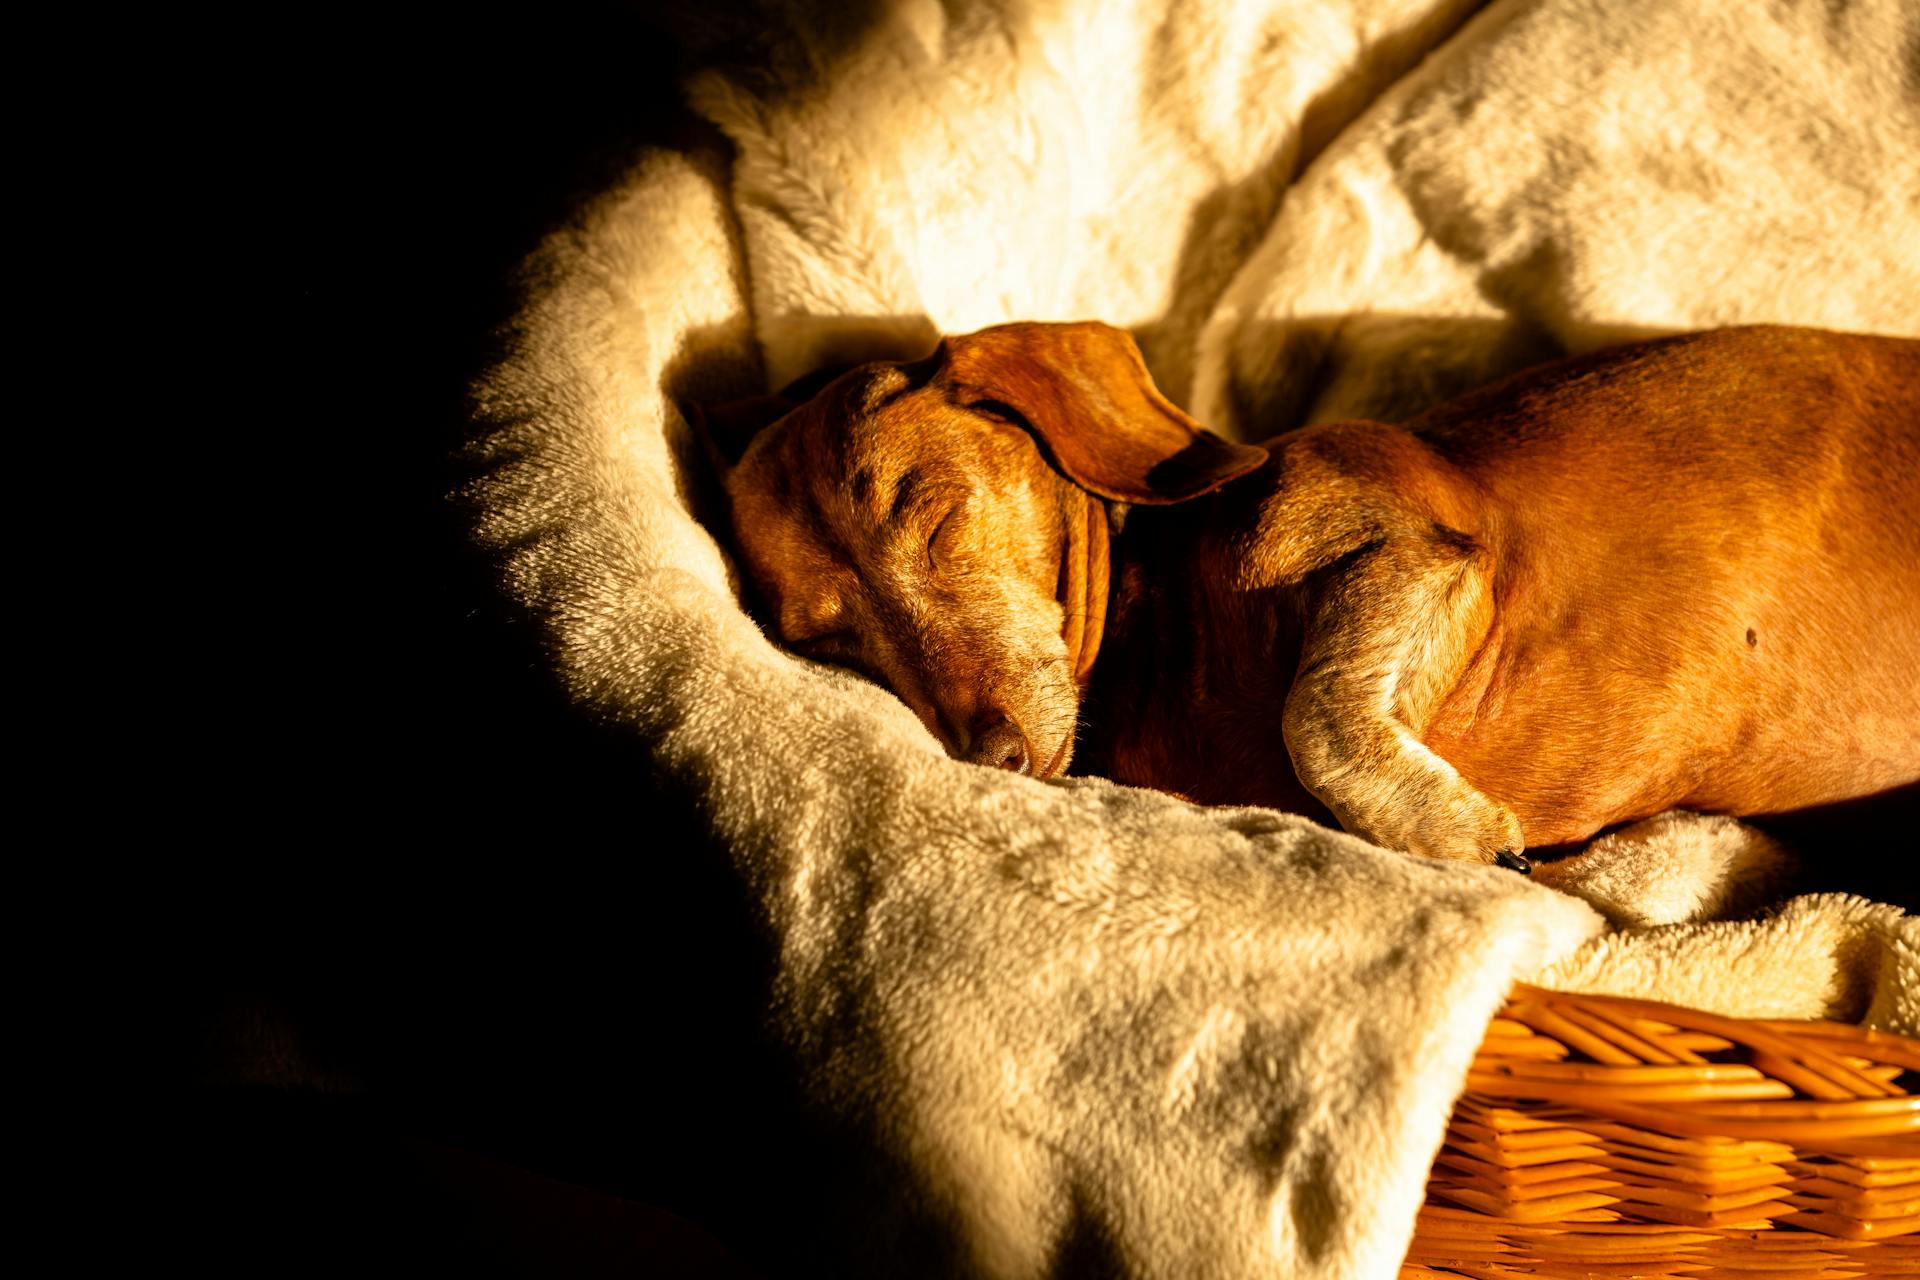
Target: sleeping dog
(1680, 574)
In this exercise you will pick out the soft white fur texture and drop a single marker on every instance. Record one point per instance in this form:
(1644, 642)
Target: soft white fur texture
(1673, 868)
(1217, 1042)
(1569, 174)
(1819, 956)
(963, 164)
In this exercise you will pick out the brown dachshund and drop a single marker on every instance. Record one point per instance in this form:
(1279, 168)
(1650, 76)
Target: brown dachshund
(1684, 573)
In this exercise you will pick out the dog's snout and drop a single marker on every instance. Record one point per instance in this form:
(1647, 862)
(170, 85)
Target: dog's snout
(999, 744)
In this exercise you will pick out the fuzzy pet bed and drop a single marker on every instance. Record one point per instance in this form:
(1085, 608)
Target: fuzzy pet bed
(1088, 1022)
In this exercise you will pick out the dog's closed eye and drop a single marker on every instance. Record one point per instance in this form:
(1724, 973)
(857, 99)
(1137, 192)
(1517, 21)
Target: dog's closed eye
(1001, 410)
(940, 545)
(838, 649)
(822, 648)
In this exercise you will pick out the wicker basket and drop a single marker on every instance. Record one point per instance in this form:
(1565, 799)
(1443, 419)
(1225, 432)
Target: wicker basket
(1601, 1136)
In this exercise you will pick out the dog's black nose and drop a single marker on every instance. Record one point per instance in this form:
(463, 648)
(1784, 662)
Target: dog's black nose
(1001, 745)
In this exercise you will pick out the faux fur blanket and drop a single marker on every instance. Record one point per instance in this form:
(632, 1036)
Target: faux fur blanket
(1092, 1025)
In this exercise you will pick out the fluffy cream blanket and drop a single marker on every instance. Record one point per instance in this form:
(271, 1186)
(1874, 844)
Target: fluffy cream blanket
(1097, 1025)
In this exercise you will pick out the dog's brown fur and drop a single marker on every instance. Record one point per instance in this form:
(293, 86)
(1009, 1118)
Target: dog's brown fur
(1679, 574)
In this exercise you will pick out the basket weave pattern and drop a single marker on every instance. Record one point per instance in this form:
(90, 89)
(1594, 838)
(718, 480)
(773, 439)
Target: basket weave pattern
(1601, 1136)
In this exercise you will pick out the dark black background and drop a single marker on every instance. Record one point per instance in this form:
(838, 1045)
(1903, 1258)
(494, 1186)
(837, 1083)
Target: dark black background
(441, 976)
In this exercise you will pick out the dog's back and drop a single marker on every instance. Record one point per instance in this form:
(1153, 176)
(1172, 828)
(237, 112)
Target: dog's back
(1715, 537)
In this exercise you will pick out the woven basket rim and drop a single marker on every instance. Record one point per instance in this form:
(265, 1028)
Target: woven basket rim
(1603, 1134)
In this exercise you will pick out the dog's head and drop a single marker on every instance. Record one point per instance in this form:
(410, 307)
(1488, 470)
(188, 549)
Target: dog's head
(941, 525)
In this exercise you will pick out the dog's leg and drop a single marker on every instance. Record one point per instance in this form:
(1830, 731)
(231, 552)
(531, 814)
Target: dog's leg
(1390, 627)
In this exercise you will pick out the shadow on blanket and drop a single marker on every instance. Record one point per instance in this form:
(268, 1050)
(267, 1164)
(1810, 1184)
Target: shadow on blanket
(1862, 846)
(1308, 369)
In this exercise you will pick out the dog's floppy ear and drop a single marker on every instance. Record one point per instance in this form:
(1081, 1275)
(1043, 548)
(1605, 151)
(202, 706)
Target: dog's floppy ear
(1085, 391)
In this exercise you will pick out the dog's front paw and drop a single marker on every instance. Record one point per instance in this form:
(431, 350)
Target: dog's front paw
(1460, 824)
(1402, 796)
